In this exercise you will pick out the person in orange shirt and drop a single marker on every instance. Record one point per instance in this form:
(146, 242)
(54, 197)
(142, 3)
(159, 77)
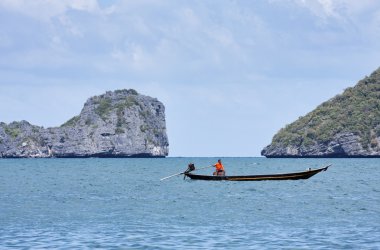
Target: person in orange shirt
(219, 169)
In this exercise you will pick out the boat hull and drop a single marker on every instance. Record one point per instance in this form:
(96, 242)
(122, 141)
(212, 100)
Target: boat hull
(287, 176)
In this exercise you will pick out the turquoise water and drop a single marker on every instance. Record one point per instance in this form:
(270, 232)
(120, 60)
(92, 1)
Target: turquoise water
(121, 203)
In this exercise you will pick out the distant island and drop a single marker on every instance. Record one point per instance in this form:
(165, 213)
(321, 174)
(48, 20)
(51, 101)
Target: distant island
(122, 123)
(347, 125)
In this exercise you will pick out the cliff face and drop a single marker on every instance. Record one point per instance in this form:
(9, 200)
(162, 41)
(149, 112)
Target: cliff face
(122, 123)
(348, 125)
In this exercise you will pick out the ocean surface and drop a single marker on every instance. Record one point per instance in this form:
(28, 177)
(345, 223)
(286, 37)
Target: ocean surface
(122, 204)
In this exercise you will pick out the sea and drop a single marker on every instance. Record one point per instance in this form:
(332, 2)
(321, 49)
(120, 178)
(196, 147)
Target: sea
(122, 204)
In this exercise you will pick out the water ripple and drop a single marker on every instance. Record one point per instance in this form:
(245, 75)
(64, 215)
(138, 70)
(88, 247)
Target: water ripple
(117, 203)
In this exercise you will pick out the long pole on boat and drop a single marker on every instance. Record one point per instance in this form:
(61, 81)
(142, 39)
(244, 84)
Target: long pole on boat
(170, 176)
(204, 167)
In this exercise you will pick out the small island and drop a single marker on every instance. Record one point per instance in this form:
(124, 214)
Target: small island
(122, 123)
(347, 125)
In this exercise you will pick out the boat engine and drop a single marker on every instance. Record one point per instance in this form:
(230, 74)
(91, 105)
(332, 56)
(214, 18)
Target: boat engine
(190, 167)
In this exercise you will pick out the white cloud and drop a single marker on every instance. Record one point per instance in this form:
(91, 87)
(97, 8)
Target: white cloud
(248, 61)
(46, 9)
(190, 18)
(342, 10)
(135, 58)
(70, 26)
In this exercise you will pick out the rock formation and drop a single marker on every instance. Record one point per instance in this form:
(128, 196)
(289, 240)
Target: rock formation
(122, 123)
(347, 125)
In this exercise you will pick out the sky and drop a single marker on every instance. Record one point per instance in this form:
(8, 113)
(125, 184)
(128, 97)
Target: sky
(230, 73)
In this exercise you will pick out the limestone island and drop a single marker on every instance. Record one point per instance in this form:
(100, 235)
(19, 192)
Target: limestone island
(347, 125)
(122, 123)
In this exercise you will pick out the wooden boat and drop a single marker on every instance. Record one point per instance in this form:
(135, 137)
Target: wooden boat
(288, 176)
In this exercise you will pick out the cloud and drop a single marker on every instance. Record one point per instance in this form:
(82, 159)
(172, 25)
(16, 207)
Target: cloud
(341, 10)
(256, 64)
(44, 10)
(168, 39)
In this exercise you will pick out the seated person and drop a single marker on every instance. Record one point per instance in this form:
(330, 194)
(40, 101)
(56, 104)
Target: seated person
(219, 169)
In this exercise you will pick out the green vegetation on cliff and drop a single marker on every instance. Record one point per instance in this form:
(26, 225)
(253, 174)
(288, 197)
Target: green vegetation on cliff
(109, 125)
(355, 111)
(105, 105)
(104, 108)
(71, 122)
(13, 132)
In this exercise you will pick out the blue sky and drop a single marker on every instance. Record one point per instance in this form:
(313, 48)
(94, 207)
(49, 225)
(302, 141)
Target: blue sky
(230, 73)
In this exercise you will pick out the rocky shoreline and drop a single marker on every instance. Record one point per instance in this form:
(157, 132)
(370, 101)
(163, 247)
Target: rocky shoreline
(121, 123)
(346, 126)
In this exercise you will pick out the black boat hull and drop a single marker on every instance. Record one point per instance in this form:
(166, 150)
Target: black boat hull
(288, 176)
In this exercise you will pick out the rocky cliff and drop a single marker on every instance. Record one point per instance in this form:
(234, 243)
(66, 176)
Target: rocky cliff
(348, 125)
(122, 123)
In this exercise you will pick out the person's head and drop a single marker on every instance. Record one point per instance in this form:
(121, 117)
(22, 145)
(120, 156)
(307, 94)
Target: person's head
(219, 160)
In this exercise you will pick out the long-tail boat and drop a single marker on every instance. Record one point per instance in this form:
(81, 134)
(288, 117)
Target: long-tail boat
(267, 177)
